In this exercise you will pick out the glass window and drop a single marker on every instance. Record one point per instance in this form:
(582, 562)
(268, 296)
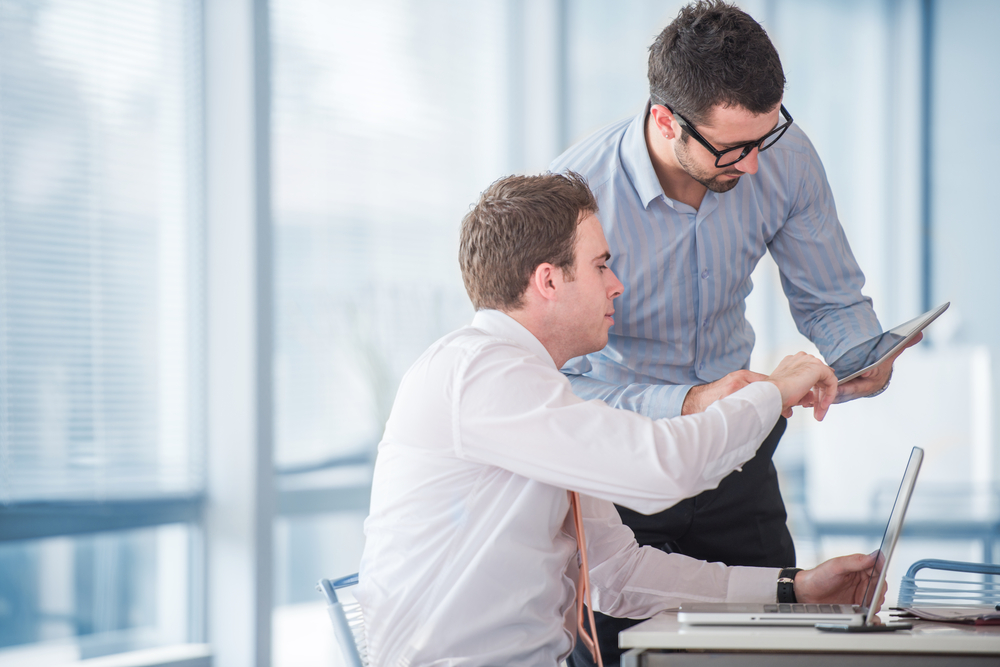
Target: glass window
(382, 138)
(101, 400)
(607, 54)
(388, 121)
(100, 237)
(70, 598)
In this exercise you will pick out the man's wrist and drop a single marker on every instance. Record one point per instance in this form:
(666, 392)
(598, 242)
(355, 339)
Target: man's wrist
(884, 387)
(690, 402)
(786, 585)
(665, 401)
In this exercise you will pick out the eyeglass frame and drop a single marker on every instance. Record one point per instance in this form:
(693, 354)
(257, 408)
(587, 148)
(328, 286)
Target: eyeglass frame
(747, 148)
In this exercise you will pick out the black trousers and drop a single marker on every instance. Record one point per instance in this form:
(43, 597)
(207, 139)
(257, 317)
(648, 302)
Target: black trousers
(741, 522)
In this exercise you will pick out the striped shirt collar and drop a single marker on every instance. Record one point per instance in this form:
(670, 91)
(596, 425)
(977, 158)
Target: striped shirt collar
(635, 160)
(634, 155)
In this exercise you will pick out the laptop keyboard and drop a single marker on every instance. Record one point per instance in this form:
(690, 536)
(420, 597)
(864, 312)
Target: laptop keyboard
(807, 609)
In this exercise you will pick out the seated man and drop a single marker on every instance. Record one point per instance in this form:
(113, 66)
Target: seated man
(471, 555)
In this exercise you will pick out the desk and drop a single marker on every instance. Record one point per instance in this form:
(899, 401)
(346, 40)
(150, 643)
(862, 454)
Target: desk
(663, 641)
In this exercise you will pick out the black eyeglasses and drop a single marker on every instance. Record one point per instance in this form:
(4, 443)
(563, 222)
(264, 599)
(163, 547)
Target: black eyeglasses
(731, 156)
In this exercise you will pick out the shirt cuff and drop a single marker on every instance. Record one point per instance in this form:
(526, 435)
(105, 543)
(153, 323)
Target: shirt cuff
(665, 401)
(769, 408)
(753, 584)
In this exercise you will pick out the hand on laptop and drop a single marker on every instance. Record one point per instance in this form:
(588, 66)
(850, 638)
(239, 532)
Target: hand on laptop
(838, 581)
(804, 380)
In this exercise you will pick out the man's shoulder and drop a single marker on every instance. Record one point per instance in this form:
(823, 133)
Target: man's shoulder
(796, 141)
(595, 157)
(469, 364)
(469, 343)
(792, 161)
(460, 343)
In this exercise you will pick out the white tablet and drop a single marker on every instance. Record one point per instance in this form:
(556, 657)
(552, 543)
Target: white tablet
(877, 349)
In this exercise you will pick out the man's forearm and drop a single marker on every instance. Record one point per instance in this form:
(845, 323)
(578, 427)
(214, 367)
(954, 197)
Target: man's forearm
(656, 401)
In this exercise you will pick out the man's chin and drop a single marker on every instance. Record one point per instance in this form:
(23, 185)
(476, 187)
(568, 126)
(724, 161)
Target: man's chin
(720, 185)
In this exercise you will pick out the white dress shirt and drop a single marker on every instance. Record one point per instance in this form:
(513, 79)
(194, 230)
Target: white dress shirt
(471, 555)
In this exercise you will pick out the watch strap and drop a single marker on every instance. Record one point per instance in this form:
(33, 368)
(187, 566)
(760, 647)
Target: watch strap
(786, 584)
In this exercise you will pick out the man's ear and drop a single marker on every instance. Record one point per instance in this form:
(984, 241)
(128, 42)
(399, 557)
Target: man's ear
(663, 118)
(545, 281)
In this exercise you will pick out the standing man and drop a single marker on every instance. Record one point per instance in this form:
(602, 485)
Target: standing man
(693, 191)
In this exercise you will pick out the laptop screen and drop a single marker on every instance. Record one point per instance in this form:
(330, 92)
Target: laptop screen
(892, 530)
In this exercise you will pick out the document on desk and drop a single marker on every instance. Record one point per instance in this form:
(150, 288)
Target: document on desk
(968, 615)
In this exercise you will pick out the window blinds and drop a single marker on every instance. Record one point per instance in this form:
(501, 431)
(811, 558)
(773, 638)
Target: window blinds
(100, 249)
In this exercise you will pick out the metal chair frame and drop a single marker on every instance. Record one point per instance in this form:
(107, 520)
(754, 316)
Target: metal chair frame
(347, 618)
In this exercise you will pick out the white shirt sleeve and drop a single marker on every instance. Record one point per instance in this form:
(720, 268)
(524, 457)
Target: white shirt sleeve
(514, 410)
(630, 581)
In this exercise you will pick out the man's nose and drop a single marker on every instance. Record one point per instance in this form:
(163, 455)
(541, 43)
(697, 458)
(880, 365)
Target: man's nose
(748, 165)
(616, 287)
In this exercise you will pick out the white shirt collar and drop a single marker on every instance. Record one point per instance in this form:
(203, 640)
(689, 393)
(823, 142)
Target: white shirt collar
(502, 325)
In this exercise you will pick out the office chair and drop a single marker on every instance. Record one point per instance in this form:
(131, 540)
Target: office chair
(348, 621)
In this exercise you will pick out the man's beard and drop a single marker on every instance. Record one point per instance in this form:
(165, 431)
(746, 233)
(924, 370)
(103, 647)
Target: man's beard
(713, 183)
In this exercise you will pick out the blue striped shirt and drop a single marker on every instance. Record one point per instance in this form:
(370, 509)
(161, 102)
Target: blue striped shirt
(681, 320)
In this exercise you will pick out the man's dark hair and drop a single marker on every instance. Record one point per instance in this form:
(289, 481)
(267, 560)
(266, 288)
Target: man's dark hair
(519, 223)
(712, 54)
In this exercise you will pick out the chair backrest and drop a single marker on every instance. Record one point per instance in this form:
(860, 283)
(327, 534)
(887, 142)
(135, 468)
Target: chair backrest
(949, 592)
(348, 621)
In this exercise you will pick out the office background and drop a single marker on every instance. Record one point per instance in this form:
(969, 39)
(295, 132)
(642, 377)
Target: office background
(227, 227)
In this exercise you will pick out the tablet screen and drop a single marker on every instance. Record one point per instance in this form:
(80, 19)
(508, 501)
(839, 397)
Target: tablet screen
(873, 350)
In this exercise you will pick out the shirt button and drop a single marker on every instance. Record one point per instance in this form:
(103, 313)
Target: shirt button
(705, 323)
(701, 367)
(704, 274)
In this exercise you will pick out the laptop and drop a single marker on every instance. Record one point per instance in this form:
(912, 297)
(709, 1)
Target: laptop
(834, 616)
